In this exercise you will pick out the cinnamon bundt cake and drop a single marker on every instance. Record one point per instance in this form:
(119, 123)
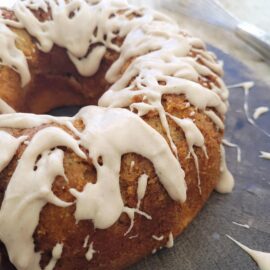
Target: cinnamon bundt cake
(128, 172)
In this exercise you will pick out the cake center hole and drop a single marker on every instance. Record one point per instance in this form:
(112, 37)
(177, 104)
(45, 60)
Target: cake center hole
(65, 111)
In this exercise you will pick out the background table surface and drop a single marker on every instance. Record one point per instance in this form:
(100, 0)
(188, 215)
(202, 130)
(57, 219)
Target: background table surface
(203, 245)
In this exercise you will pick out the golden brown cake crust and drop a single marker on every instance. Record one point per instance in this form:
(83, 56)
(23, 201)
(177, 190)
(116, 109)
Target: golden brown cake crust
(55, 82)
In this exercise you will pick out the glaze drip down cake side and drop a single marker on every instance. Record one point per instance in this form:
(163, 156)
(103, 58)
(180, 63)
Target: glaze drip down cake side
(128, 172)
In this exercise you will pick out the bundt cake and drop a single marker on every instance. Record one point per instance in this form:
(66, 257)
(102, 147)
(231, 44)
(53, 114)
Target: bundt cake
(128, 172)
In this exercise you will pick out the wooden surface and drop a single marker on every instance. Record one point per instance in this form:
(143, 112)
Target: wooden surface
(204, 246)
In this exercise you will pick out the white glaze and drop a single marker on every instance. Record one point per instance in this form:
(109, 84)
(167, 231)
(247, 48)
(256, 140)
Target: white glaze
(215, 118)
(5, 108)
(142, 108)
(106, 135)
(90, 252)
(133, 236)
(131, 214)
(56, 255)
(241, 225)
(261, 258)
(8, 146)
(170, 241)
(226, 181)
(7, 3)
(194, 137)
(142, 185)
(27, 120)
(260, 111)
(265, 155)
(158, 238)
(247, 86)
(11, 56)
(85, 243)
(233, 145)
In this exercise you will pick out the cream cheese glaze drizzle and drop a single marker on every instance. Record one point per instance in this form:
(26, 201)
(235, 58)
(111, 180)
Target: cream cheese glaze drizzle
(160, 63)
(226, 181)
(265, 155)
(241, 225)
(261, 258)
(142, 185)
(5, 108)
(260, 111)
(233, 145)
(11, 56)
(90, 252)
(170, 241)
(194, 137)
(158, 238)
(56, 255)
(104, 135)
(8, 146)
